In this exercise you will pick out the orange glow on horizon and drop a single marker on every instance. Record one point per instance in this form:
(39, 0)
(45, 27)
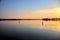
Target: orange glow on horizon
(48, 13)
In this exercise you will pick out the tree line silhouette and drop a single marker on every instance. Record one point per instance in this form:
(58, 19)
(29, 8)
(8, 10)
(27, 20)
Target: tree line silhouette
(46, 19)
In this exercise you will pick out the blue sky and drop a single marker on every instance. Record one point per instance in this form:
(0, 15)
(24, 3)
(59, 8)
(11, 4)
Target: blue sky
(20, 7)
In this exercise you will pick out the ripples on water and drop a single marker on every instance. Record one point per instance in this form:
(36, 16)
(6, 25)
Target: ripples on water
(30, 29)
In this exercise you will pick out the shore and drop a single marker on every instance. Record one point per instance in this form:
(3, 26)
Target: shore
(46, 19)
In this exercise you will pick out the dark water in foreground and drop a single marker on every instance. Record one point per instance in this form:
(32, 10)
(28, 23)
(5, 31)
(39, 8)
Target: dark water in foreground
(32, 29)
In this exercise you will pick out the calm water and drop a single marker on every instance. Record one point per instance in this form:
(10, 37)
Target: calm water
(33, 29)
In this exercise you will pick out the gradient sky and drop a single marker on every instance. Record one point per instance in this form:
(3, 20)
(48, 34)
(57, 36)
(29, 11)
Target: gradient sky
(28, 8)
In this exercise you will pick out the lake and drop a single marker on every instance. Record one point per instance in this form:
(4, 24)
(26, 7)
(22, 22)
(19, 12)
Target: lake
(30, 29)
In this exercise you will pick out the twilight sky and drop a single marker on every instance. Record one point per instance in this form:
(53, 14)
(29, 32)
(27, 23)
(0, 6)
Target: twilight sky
(29, 8)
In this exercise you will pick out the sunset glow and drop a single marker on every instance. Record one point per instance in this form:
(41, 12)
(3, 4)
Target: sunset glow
(30, 9)
(30, 19)
(58, 11)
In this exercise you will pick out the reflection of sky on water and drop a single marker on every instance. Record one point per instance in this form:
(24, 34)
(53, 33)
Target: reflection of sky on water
(31, 28)
(53, 25)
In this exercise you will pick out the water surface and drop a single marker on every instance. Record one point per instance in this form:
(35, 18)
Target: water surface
(30, 29)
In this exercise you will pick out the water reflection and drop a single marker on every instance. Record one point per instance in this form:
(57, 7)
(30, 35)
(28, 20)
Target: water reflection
(31, 29)
(19, 21)
(50, 25)
(38, 24)
(42, 23)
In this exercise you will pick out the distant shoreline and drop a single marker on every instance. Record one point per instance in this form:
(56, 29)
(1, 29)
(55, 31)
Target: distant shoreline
(45, 19)
(17, 19)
